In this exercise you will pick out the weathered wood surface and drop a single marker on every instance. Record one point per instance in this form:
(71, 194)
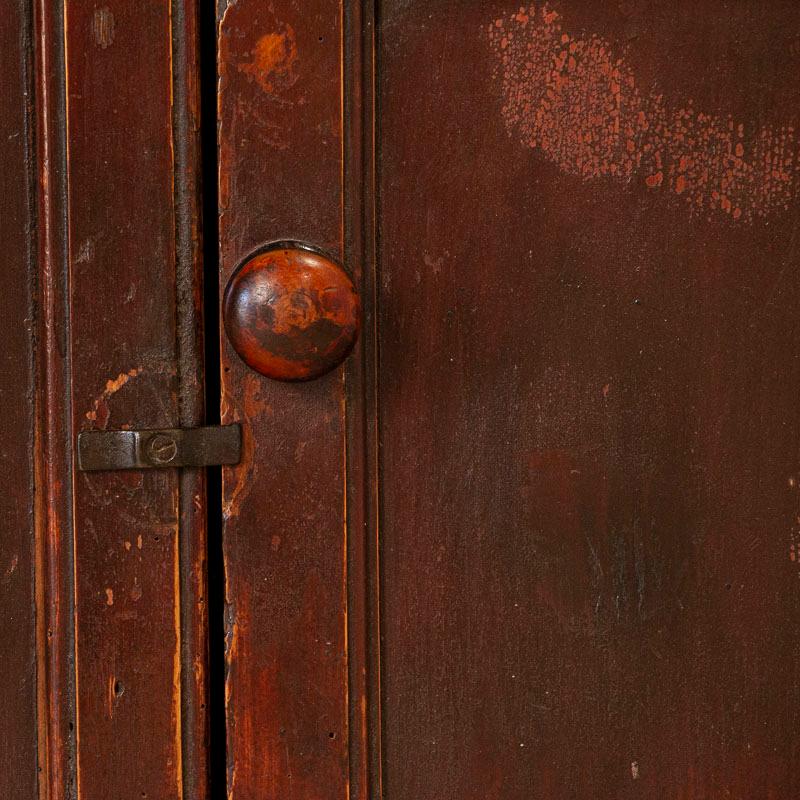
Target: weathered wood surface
(586, 391)
(589, 385)
(18, 690)
(54, 438)
(574, 230)
(284, 527)
(122, 660)
(128, 335)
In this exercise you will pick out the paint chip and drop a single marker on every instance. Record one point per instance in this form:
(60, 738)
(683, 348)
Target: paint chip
(100, 411)
(570, 97)
(272, 63)
(103, 27)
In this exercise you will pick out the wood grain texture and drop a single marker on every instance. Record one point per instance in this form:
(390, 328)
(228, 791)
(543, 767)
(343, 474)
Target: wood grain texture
(123, 333)
(586, 452)
(363, 534)
(18, 688)
(55, 544)
(589, 428)
(284, 528)
(132, 319)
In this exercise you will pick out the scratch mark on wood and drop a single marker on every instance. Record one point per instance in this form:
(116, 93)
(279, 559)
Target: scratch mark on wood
(103, 27)
(254, 407)
(12, 566)
(85, 252)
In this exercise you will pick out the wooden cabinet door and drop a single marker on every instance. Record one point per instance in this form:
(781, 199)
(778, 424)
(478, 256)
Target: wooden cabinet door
(536, 535)
(538, 538)
(102, 574)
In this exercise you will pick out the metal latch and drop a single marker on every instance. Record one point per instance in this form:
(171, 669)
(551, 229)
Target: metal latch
(170, 447)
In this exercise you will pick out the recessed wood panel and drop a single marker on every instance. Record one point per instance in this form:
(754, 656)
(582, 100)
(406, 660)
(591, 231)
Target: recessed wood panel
(588, 380)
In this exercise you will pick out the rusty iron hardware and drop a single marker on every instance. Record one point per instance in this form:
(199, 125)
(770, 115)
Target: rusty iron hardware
(154, 449)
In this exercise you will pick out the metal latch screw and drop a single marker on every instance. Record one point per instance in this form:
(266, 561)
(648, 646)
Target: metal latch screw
(148, 449)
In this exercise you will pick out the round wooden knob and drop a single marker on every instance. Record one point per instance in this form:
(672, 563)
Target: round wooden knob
(291, 313)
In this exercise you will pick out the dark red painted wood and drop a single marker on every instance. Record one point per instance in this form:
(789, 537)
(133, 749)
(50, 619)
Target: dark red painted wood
(284, 528)
(589, 400)
(585, 400)
(538, 538)
(362, 497)
(54, 437)
(18, 689)
(122, 656)
(123, 333)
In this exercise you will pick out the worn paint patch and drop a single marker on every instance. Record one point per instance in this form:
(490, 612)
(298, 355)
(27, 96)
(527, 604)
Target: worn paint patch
(103, 26)
(242, 477)
(100, 412)
(85, 252)
(273, 60)
(12, 566)
(794, 532)
(573, 98)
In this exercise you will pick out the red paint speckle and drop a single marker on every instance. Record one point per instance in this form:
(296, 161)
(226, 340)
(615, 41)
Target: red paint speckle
(578, 103)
